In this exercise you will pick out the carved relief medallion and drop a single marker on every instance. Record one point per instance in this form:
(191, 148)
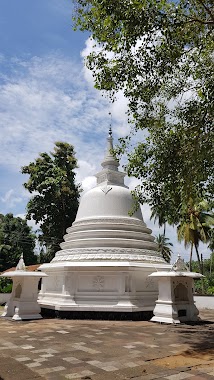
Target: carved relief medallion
(98, 283)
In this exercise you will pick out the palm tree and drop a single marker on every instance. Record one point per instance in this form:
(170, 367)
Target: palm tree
(195, 227)
(159, 215)
(164, 247)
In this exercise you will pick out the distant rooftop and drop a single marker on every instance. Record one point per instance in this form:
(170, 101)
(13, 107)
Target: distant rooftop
(28, 268)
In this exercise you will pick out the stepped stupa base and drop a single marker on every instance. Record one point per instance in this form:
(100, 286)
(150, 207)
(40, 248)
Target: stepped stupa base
(99, 290)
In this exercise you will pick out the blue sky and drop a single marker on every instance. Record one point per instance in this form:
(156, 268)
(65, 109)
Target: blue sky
(35, 27)
(47, 95)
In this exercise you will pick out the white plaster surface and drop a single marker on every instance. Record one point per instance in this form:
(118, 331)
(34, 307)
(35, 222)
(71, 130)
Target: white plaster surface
(22, 303)
(106, 255)
(175, 301)
(4, 297)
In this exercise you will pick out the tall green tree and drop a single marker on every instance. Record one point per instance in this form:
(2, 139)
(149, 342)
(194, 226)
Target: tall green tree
(16, 237)
(55, 194)
(164, 247)
(160, 54)
(195, 227)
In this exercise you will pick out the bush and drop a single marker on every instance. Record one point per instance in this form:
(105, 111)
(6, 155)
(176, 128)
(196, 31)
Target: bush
(208, 285)
(6, 285)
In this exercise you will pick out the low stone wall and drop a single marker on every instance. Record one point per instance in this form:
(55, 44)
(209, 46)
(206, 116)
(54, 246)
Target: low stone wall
(4, 297)
(204, 302)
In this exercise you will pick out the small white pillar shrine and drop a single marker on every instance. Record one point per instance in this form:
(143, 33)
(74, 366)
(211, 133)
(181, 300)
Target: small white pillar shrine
(23, 301)
(175, 302)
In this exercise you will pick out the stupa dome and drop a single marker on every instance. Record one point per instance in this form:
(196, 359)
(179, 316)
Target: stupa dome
(107, 201)
(103, 227)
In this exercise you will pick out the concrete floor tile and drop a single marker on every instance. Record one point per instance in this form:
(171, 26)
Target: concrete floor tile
(206, 368)
(80, 375)
(31, 339)
(40, 360)
(179, 376)
(150, 344)
(72, 360)
(22, 358)
(202, 377)
(27, 347)
(33, 365)
(131, 365)
(130, 346)
(43, 371)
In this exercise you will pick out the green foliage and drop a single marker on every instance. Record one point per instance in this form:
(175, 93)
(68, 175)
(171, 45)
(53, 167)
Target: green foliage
(195, 226)
(171, 170)
(160, 54)
(16, 237)
(206, 285)
(6, 285)
(164, 247)
(55, 203)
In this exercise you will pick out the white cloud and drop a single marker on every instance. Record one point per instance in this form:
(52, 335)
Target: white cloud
(85, 174)
(117, 109)
(86, 169)
(11, 198)
(46, 99)
(88, 183)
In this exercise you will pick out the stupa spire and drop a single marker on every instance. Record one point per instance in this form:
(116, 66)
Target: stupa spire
(110, 162)
(109, 174)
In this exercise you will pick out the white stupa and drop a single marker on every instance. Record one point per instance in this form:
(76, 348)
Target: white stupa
(106, 255)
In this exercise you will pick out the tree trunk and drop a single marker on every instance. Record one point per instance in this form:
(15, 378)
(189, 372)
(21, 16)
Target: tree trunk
(63, 219)
(163, 239)
(164, 229)
(190, 258)
(198, 257)
(200, 268)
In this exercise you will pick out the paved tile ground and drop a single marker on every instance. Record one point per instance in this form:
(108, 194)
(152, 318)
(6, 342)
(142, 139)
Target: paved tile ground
(59, 349)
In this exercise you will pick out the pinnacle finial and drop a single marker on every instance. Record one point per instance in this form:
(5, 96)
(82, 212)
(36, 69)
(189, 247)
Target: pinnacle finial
(21, 264)
(110, 132)
(179, 265)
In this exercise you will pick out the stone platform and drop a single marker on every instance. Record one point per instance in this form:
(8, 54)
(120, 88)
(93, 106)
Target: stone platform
(103, 350)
